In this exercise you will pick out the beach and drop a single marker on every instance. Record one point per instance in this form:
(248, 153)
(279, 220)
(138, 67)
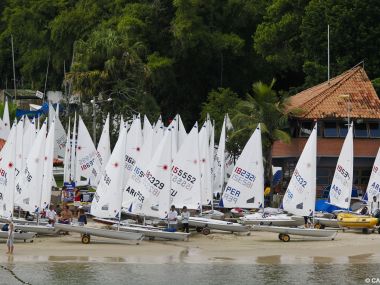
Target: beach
(218, 247)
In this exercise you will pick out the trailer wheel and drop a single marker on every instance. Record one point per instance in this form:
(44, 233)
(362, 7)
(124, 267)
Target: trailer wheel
(198, 229)
(280, 236)
(86, 239)
(206, 231)
(285, 238)
(365, 231)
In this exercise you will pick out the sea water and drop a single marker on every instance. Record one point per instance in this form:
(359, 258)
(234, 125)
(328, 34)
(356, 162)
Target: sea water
(67, 273)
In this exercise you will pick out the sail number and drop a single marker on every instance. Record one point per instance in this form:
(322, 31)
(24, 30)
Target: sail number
(245, 174)
(299, 178)
(183, 174)
(231, 194)
(157, 183)
(342, 171)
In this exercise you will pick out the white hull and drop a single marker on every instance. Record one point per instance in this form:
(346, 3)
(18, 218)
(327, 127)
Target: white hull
(152, 232)
(298, 231)
(217, 225)
(99, 232)
(22, 221)
(38, 229)
(272, 220)
(331, 223)
(18, 235)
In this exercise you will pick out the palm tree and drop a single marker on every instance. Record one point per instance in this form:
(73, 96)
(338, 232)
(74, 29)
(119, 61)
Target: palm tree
(265, 106)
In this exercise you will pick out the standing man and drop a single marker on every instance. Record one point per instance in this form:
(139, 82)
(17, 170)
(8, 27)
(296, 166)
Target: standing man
(51, 215)
(11, 236)
(172, 217)
(185, 219)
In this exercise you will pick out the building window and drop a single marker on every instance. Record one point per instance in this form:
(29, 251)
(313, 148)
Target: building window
(306, 129)
(374, 130)
(360, 130)
(343, 129)
(330, 130)
(324, 176)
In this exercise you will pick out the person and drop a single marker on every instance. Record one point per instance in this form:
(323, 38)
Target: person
(172, 217)
(58, 210)
(307, 221)
(364, 211)
(66, 216)
(28, 216)
(51, 214)
(82, 218)
(11, 235)
(185, 219)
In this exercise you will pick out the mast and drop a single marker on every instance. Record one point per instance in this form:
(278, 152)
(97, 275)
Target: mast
(14, 70)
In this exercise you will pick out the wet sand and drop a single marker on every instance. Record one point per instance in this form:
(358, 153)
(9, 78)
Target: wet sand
(218, 247)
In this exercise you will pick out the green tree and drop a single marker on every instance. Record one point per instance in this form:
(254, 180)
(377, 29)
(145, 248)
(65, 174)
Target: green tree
(267, 107)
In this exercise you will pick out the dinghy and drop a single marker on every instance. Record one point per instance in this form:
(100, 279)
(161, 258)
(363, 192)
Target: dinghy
(153, 232)
(19, 235)
(284, 233)
(86, 233)
(204, 225)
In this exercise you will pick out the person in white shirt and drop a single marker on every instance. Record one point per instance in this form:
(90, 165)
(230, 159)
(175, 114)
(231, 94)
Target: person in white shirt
(185, 219)
(51, 214)
(172, 218)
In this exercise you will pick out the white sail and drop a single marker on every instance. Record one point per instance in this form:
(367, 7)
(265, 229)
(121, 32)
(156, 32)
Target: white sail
(182, 134)
(104, 145)
(108, 196)
(60, 137)
(204, 151)
(29, 181)
(28, 138)
(73, 150)
(47, 179)
(7, 174)
(186, 175)
(341, 186)
(174, 131)
(149, 178)
(245, 188)
(148, 129)
(67, 159)
(373, 188)
(6, 125)
(299, 198)
(87, 163)
(51, 114)
(133, 146)
(121, 127)
(219, 164)
(158, 134)
(19, 145)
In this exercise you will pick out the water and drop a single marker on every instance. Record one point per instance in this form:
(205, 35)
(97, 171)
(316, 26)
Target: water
(53, 273)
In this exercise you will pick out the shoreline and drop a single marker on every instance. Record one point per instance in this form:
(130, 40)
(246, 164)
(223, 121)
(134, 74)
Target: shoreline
(216, 248)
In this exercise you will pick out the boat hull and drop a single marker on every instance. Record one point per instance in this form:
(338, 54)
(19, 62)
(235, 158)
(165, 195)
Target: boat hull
(326, 222)
(18, 235)
(272, 220)
(217, 225)
(298, 231)
(155, 233)
(99, 232)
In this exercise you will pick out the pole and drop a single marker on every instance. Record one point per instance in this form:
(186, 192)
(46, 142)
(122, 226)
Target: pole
(348, 109)
(328, 53)
(94, 122)
(14, 70)
(46, 77)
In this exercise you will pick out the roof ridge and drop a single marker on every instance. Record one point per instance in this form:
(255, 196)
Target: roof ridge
(345, 76)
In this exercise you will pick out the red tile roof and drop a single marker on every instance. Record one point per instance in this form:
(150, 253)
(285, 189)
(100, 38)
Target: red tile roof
(329, 99)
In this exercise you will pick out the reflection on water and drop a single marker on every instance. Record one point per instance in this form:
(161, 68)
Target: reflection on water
(180, 273)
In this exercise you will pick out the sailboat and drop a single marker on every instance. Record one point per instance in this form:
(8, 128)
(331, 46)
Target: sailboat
(373, 188)
(104, 145)
(341, 186)
(87, 161)
(108, 197)
(299, 198)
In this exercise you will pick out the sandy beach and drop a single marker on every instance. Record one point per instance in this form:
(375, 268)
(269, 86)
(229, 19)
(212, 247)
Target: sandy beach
(218, 247)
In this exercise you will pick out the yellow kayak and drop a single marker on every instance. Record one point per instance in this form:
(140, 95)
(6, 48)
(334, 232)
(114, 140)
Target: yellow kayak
(347, 220)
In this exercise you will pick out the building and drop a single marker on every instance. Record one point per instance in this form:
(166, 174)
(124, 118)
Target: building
(347, 97)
